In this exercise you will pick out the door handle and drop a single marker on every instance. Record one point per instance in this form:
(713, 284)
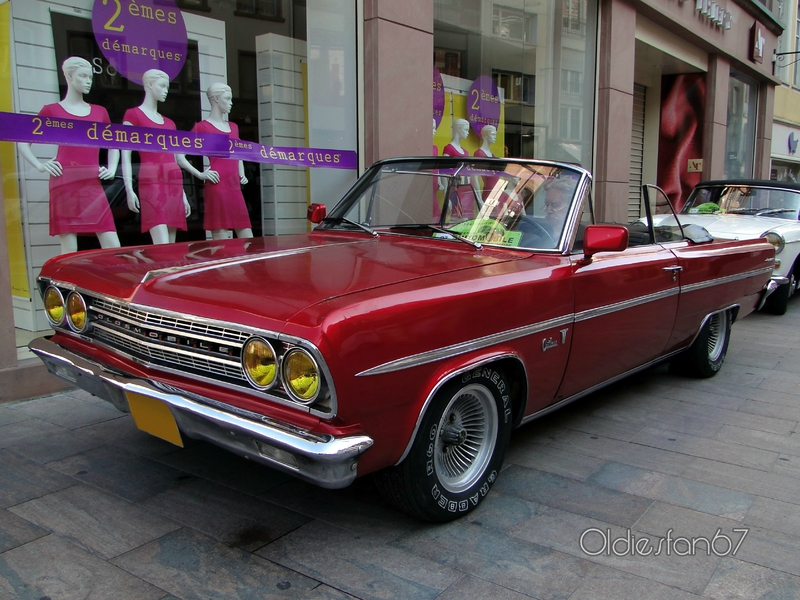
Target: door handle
(675, 269)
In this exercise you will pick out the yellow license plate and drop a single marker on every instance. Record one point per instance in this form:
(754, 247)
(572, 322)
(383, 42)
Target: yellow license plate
(154, 417)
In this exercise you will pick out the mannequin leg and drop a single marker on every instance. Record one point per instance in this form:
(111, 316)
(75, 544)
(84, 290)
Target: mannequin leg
(173, 234)
(220, 234)
(160, 234)
(108, 239)
(244, 233)
(69, 242)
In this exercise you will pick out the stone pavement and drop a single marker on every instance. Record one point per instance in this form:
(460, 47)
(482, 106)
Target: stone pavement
(616, 497)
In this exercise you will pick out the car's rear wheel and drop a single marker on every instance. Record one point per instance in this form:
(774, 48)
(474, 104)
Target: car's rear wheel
(705, 356)
(458, 449)
(778, 301)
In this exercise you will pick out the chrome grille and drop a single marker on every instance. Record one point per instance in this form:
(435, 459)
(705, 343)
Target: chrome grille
(167, 321)
(203, 348)
(191, 361)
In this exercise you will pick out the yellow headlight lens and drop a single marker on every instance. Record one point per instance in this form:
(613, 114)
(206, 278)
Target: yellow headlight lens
(260, 363)
(301, 375)
(76, 311)
(54, 306)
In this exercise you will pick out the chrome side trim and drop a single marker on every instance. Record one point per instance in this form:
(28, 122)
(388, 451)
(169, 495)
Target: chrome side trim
(612, 308)
(464, 347)
(322, 459)
(723, 280)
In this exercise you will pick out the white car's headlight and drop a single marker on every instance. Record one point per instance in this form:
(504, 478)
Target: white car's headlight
(776, 240)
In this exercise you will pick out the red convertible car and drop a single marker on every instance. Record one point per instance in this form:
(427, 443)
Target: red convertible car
(442, 303)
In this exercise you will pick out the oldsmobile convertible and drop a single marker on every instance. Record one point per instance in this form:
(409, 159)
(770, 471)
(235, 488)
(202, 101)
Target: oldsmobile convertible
(440, 304)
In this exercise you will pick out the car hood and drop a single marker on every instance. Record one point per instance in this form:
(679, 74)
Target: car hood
(739, 226)
(242, 280)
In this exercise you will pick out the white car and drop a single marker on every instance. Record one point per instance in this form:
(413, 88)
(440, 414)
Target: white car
(752, 208)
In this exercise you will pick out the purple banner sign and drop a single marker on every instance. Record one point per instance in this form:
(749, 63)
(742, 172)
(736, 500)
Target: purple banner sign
(72, 132)
(294, 157)
(138, 35)
(483, 105)
(438, 97)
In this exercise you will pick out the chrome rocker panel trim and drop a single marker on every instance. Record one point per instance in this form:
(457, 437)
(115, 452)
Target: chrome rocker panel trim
(324, 460)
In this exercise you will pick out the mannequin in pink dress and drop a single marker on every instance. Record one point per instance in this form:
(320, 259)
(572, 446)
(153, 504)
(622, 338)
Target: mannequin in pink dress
(225, 208)
(78, 203)
(460, 132)
(161, 199)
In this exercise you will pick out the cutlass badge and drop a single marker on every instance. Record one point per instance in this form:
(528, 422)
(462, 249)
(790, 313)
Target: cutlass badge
(549, 342)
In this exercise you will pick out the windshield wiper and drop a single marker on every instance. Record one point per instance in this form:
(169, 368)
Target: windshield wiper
(439, 229)
(361, 226)
(743, 211)
(774, 211)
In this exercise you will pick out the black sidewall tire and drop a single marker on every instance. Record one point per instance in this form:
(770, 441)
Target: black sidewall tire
(696, 361)
(414, 485)
(778, 301)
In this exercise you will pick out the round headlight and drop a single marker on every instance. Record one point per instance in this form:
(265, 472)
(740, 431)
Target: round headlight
(76, 312)
(260, 363)
(301, 375)
(54, 306)
(776, 240)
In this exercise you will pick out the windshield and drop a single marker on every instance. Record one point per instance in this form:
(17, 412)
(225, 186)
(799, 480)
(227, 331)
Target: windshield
(744, 200)
(497, 202)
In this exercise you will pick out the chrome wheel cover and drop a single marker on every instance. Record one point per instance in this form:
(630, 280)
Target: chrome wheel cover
(465, 438)
(717, 334)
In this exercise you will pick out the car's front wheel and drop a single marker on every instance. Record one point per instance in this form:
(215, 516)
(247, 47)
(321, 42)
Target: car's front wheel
(458, 449)
(705, 356)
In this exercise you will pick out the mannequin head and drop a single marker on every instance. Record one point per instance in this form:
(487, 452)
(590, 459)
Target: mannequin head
(78, 73)
(156, 82)
(460, 129)
(220, 95)
(489, 134)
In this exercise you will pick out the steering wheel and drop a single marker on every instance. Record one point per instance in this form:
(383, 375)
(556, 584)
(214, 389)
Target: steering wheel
(530, 227)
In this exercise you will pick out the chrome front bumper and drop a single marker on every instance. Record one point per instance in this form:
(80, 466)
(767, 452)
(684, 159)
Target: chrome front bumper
(325, 460)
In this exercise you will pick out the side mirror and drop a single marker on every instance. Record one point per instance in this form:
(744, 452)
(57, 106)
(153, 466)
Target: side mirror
(603, 238)
(316, 213)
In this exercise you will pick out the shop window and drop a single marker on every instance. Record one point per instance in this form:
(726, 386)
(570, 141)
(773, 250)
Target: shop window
(518, 87)
(571, 83)
(259, 9)
(570, 123)
(201, 5)
(741, 127)
(573, 21)
(447, 61)
(513, 25)
(248, 83)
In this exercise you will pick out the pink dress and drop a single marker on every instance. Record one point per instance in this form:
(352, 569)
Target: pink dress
(78, 203)
(224, 202)
(450, 150)
(160, 180)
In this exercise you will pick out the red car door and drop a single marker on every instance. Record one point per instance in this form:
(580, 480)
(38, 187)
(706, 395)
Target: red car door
(625, 309)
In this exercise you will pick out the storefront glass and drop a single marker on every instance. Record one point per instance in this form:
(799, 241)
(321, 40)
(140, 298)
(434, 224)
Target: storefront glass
(291, 95)
(740, 137)
(525, 67)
